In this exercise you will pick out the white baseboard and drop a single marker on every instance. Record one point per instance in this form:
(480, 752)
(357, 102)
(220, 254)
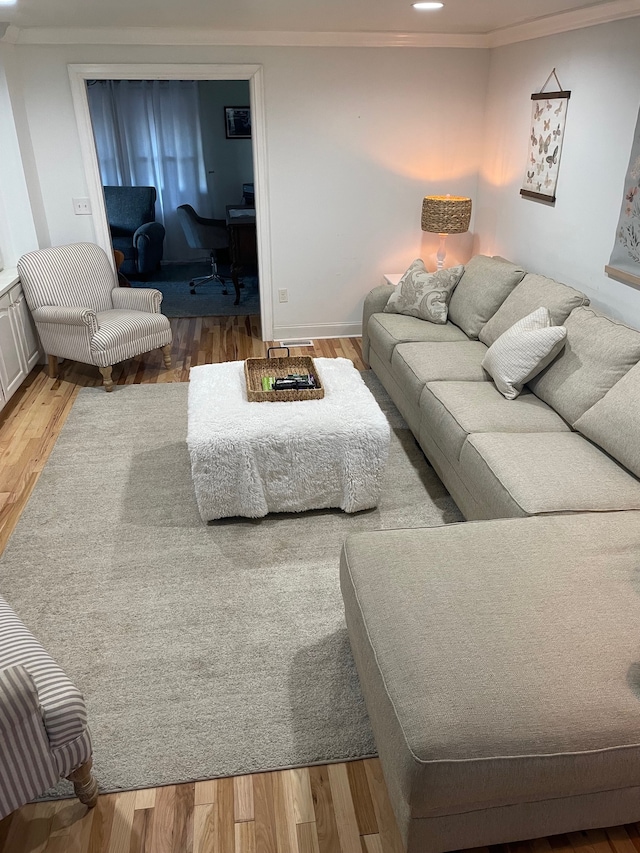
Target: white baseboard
(323, 330)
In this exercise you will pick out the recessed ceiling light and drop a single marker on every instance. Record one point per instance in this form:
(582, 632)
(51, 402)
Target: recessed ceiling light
(8, 2)
(427, 5)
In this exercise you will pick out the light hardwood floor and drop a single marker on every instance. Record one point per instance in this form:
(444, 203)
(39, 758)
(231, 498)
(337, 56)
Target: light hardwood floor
(341, 808)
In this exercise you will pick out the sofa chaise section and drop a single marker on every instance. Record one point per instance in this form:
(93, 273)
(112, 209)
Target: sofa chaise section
(499, 658)
(499, 664)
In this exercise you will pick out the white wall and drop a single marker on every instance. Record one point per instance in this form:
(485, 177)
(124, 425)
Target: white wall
(572, 240)
(356, 138)
(227, 162)
(18, 232)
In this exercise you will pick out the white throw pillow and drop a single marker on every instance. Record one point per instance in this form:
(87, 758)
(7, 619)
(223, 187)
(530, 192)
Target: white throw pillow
(523, 351)
(424, 294)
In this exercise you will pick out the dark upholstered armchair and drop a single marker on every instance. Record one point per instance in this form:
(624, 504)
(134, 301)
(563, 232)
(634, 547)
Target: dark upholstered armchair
(134, 231)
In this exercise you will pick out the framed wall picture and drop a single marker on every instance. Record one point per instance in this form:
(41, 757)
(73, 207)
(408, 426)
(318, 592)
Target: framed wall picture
(548, 117)
(237, 122)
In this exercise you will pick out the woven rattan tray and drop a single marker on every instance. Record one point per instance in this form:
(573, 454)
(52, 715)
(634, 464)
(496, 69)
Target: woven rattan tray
(256, 368)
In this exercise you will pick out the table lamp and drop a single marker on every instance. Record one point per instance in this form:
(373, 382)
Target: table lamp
(443, 215)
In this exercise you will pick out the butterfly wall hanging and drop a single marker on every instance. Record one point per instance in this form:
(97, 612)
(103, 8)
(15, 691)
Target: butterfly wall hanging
(548, 116)
(624, 263)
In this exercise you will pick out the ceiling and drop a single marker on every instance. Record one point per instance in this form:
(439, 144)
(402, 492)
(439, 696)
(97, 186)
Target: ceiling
(461, 17)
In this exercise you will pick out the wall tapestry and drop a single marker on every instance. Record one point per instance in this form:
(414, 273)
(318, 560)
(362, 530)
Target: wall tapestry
(625, 257)
(548, 116)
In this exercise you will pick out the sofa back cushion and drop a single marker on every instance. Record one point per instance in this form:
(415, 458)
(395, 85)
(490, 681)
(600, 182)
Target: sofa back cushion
(485, 284)
(598, 352)
(613, 421)
(534, 291)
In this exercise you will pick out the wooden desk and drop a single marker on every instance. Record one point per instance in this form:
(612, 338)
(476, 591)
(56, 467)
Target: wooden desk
(243, 246)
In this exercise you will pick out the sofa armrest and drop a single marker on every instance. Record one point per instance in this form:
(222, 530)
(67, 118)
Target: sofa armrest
(153, 231)
(67, 316)
(149, 243)
(18, 700)
(374, 303)
(137, 299)
(28, 766)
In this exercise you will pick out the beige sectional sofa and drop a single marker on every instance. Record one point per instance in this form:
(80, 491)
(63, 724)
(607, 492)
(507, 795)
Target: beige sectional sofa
(503, 457)
(500, 660)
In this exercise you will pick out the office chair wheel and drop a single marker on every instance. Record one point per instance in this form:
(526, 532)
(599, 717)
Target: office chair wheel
(216, 277)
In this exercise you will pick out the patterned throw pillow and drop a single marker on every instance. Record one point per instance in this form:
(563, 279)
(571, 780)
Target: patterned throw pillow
(424, 294)
(523, 351)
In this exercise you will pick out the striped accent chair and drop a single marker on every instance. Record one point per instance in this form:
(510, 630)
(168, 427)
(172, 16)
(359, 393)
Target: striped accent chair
(43, 721)
(81, 313)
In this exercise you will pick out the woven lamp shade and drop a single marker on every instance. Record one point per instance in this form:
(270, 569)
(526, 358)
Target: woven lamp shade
(446, 214)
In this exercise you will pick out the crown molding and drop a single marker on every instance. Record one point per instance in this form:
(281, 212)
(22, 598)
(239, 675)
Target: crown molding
(615, 10)
(199, 36)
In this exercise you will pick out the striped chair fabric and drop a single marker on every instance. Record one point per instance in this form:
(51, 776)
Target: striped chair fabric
(43, 718)
(122, 334)
(82, 314)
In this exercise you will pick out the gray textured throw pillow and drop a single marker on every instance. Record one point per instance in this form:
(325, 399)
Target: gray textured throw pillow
(424, 294)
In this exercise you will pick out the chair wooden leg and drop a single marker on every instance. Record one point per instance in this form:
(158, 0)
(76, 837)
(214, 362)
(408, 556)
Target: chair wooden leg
(84, 784)
(166, 355)
(53, 366)
(106, 376)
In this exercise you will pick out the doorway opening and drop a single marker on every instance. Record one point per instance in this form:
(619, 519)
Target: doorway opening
(229, 188)
(176, 166)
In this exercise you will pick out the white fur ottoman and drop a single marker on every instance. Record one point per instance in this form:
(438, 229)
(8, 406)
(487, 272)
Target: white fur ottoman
(250, 459)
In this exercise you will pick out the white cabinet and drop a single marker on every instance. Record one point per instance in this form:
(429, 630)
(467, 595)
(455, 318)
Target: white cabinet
(19, 346)
(27, 334)
(13, 368)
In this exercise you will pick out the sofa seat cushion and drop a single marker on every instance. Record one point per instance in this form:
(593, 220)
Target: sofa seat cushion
(534, 291)
(485, 284)
(124, 333)
(517, 474)
(451, 411)
(498, 659)
(415, 364)
(597, 353)
(124, 245)
(386, 331)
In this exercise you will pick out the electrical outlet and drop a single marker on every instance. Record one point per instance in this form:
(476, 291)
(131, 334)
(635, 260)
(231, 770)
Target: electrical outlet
(283, 295)
(81, 206)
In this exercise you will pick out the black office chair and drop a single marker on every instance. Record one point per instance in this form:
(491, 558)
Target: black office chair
(202, 233)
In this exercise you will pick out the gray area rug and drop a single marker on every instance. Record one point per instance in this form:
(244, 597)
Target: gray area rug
(202, 650)
(208, 301)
